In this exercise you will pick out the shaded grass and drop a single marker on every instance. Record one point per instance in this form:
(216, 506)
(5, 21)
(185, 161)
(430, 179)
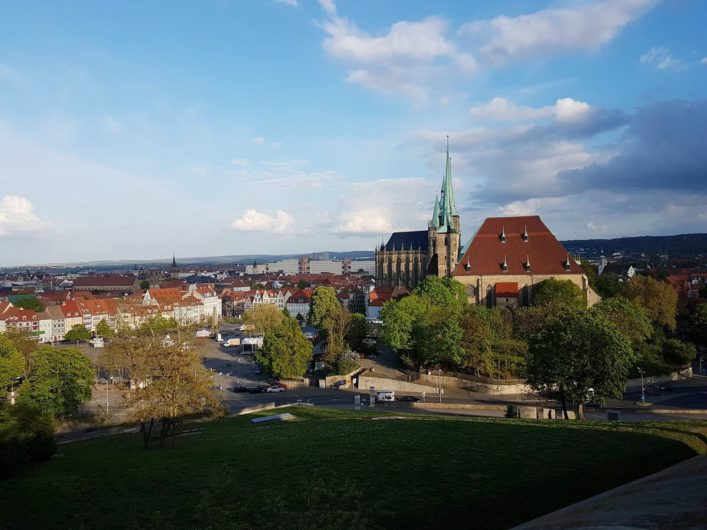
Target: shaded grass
(422, 472)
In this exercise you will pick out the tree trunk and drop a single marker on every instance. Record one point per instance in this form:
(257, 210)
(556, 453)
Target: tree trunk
(146, 431)
(564, 404)
(580, 411)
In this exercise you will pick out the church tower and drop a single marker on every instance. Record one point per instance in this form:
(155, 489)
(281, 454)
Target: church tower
(444, 230)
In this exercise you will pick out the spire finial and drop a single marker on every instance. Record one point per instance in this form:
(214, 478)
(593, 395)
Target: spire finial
(447, 145)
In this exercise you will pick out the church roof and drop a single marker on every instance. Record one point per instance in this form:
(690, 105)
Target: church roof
(502, 240)
(406, 240)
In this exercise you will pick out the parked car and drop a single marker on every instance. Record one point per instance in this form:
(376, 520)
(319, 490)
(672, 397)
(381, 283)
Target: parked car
(413, 399)
(259, 389)
(240, 388)
(274, 388)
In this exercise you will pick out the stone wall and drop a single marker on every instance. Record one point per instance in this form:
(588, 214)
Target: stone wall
(365, 382)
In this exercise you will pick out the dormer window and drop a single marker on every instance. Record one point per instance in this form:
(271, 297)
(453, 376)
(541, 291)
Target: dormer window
(525, 233)
(504, 265)
(567, 263)
(527, 263)
(502, 235)
(467, 265)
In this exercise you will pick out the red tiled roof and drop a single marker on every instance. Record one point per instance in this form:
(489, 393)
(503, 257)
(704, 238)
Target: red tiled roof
(487, 252)
(506, 289)
(113, 280)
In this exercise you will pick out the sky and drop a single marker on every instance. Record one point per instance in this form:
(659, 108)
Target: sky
(138, 130)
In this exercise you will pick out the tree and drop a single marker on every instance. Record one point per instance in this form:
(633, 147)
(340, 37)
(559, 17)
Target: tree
(444, 292)
(325, 305)
(168, 382)
(337, 329)
(658, 298)
(78, 333)
(608, 286)
(145, 285)
(286, 351)
(103, 329)
(29, 302)
(629, 318)
(698, 324)
(26, 435)
(264, 317)
(60, 380)
(358, 330)
(12, 363)
(24, 343)
(303, 284)
(678, 353)
(576, 352)
(300, 318)
(559, 292)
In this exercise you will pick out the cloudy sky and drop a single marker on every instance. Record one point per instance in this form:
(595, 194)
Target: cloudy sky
(135, 130)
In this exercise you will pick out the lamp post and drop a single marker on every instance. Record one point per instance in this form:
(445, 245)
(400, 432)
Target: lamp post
(643, 391)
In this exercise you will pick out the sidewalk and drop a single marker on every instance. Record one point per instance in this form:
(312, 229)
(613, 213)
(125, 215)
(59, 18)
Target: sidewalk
(674, 498)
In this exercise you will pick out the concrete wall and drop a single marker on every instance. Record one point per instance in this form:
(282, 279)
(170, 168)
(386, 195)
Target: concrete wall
(675, 376)
(365, 382)
(475, 385)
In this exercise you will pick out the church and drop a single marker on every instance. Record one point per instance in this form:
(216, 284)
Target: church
(408, 257)
(498, 266)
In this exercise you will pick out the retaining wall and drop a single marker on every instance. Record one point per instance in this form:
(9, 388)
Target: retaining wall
(365, 382)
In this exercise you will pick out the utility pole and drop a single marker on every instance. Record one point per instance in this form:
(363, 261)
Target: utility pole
(439, 384)
(643, 390)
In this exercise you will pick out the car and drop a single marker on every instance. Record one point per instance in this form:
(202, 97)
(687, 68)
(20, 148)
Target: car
(259, 389)
(274, 388)
(412, 399)
(282, 385)
(240, 388)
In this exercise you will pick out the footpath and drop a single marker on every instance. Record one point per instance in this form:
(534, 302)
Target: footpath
(674, 498)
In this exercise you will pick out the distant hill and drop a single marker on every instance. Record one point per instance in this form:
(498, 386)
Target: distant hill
(678, 245)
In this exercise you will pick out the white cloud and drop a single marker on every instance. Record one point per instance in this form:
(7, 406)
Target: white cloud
(240, 162)
(258, 140)
(17, 217)
(408, 59)
(254, 221)
(329, 6)
(293, 3)
(704, 60)
(595, 228)
(564, 110)
(662, 59)
(583, 27)
(367, 221)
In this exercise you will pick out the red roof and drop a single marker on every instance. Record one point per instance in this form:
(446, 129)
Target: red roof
(506, 289)
(487, 252)
(112, 280)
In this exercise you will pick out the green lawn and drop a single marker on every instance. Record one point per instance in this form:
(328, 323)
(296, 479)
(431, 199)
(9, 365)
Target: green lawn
(335, 469)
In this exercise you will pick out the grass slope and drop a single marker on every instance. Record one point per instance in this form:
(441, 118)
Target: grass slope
(340, 469)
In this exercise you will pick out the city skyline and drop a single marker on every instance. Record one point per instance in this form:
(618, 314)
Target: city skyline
(289, 126)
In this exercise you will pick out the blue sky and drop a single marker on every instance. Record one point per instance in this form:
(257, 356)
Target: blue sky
(135, 130)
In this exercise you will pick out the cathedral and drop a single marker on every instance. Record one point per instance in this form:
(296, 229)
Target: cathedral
(408, 257)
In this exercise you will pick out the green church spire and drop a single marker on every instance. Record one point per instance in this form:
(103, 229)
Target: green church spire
(435, 213)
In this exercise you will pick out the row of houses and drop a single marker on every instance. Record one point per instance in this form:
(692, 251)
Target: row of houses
(194, 304)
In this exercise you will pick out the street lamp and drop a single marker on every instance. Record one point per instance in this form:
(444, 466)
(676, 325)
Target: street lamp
(643, 391)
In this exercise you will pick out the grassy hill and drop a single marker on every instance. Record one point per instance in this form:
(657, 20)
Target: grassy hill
(340, 469)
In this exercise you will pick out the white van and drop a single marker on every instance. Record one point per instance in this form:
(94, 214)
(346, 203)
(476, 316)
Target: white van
(385, 395)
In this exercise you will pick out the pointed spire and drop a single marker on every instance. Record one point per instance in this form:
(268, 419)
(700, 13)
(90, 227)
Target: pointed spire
(174, 261)
(435, 213)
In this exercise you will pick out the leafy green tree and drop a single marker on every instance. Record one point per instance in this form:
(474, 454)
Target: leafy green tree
(29, 302)
(26, 435)
(358, 329)
(678, 353)
(488, 342)
(630, 319)
(443, 292)
(145, 285)
(264, 317)
(347, 362)
(12, 363)
(325, 305)
(303, 284)
(576, 352)
(558, 292)
(103, 329)
(658, 298)
(286, 351)
(401, 318)
(158, 326)
(608, 286)
(698, 324)
(60, 380)
(78, 333)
